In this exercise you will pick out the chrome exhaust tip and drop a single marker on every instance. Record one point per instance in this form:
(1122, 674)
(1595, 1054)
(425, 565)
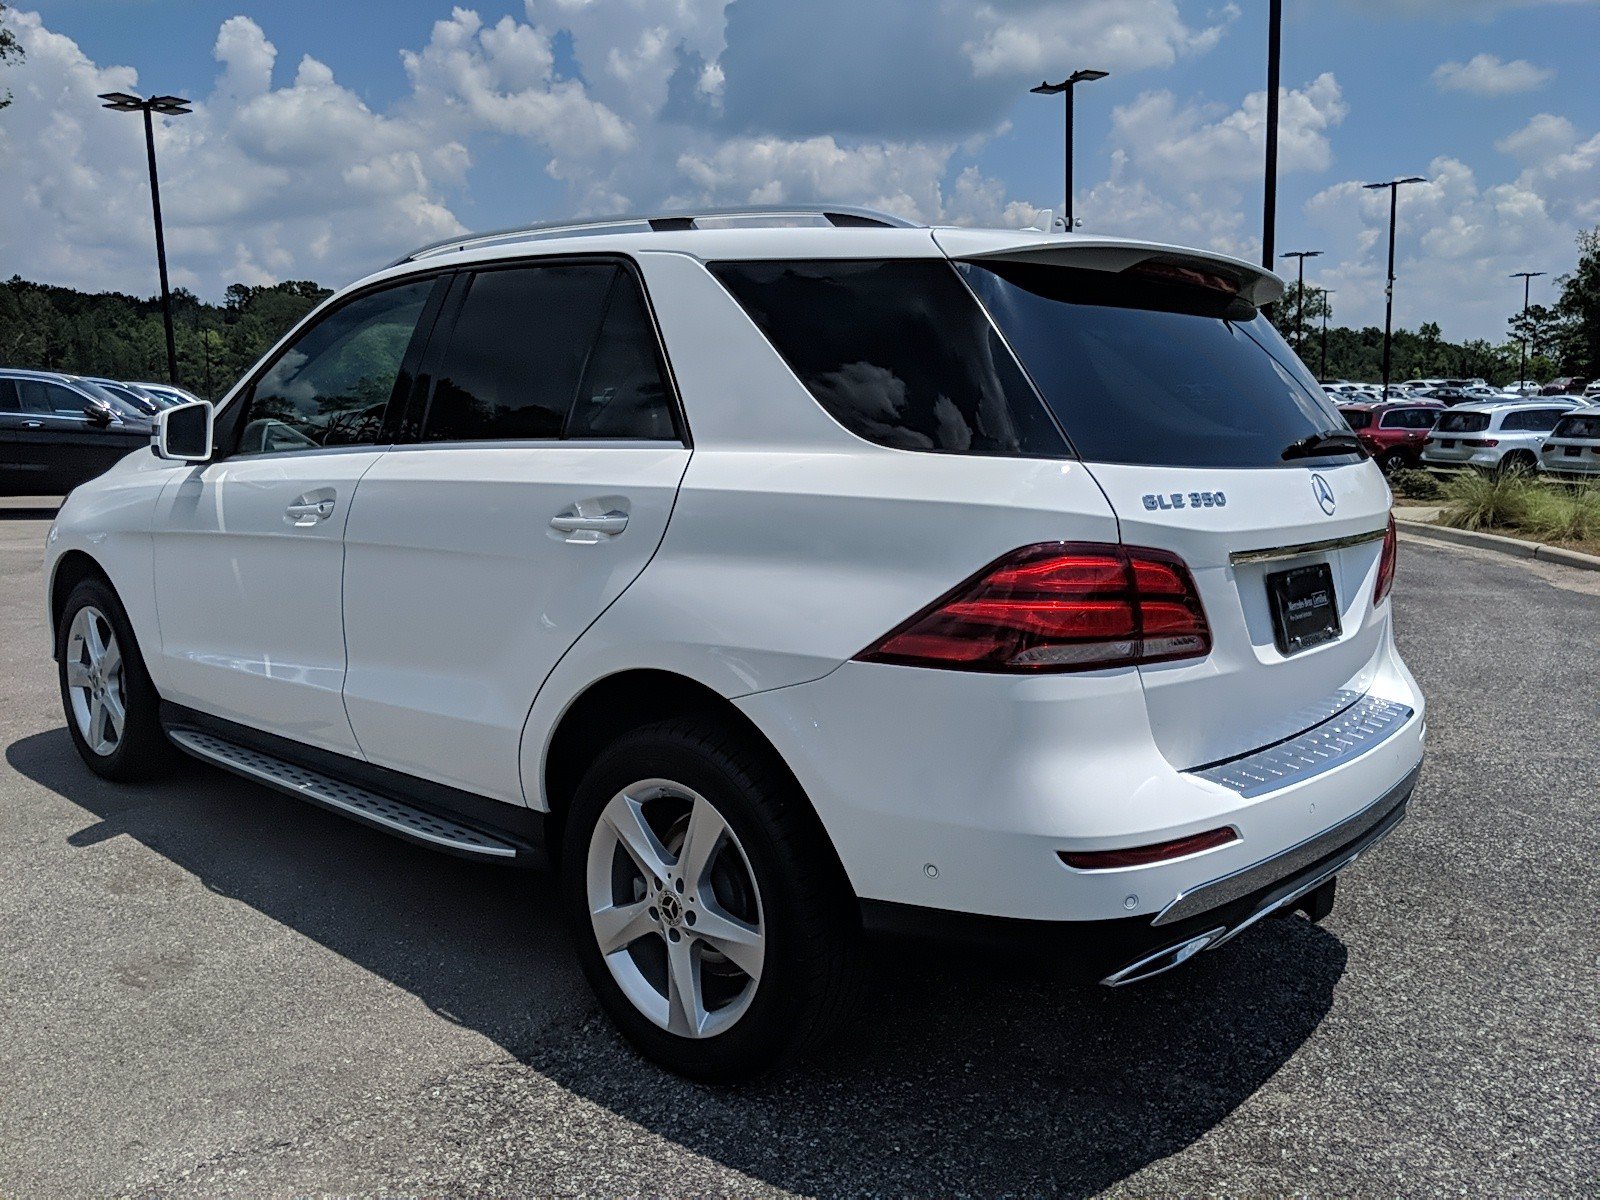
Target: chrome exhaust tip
(1162, 960)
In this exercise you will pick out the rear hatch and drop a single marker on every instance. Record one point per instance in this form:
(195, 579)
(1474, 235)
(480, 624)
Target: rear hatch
(1210, 440)
(1458, 434)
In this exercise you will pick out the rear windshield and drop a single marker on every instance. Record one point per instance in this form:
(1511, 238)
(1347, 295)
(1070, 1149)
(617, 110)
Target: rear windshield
(1132, 371)
(1409, 418)
(1578, 427)
(1154, 372)
(1462, 422)
(1356, 418)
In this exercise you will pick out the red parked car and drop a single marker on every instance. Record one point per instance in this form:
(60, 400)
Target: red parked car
(1393, 432)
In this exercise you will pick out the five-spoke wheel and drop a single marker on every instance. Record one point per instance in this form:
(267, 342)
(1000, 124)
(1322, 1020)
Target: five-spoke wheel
(95, 686)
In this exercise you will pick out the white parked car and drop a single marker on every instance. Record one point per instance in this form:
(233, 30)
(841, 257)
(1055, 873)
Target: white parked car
(1573, 447)
(1494, 435)
(785, 577)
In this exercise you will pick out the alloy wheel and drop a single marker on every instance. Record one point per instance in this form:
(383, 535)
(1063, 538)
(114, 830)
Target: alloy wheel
(675, 908)
(96, 684)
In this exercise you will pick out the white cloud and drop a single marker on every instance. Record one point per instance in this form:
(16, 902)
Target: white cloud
(1486, 75)
(1034, 37)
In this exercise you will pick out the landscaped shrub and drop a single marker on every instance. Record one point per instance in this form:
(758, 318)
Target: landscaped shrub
(1409, 483)
(1516, 502)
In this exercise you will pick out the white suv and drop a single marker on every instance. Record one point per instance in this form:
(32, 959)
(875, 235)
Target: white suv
(1494, 435)
(784, 576)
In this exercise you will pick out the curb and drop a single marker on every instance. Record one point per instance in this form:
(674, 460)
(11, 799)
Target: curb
(1516, 547)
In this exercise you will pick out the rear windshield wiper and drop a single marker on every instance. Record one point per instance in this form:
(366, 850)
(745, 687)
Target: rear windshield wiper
(1330, 441)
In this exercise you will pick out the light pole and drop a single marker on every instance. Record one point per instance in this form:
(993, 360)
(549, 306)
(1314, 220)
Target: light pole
(1326, 308)
(1388, 305)
(1269, 198)
(1300, 315)
(167, 106)
(1527, 278)
(1065, 89)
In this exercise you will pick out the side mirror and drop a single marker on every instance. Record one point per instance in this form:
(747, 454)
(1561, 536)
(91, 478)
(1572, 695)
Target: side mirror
(183, 433)
(97, 415)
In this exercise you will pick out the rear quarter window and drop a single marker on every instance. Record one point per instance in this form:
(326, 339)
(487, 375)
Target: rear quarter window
(897, 352)
(1356, 418)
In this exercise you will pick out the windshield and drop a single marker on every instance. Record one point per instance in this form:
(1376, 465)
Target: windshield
(1150, 372)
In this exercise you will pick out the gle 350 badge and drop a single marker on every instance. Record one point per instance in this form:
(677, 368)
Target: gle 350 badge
(1156, 501)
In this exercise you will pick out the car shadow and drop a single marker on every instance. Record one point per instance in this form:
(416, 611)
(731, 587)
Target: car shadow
(959, 1073)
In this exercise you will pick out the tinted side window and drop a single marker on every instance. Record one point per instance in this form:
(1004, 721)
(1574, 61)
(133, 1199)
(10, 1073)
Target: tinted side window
(9, 401)
(1356, 418)
(50, 399)
(624, 392)
(331, 386)
(897, 352)
(517, 354)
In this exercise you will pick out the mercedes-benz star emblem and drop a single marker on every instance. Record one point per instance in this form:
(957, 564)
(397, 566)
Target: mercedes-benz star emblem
(1324, 494)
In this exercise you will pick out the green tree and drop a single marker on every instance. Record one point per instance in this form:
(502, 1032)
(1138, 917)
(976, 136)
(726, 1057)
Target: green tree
(10, 52)
(1577, 345)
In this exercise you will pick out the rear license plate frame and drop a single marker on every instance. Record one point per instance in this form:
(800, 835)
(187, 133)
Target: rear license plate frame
(1305, 607)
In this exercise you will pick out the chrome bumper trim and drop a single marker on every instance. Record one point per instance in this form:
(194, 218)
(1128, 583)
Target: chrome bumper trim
(1355, 729)
(1273, 553)
(1351, 833)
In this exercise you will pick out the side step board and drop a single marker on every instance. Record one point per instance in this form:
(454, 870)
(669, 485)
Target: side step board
(347, 799)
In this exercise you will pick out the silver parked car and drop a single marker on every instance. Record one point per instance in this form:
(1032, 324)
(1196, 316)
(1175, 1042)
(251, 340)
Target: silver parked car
(1494, 435)
(1573, 447)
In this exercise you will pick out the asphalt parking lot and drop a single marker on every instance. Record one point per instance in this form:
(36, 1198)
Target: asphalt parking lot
(210, 988)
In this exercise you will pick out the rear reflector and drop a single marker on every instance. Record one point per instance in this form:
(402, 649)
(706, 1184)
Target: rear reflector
(1057, 606)
(1139, 856)
(1386, 564)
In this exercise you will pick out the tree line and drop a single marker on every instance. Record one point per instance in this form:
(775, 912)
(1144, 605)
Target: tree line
(120, 336)
(1560, 339)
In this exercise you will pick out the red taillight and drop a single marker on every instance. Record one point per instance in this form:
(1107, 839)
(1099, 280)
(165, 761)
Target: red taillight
(1480, 443)
(1058, 606)
(1138, 856)
(1386, 564)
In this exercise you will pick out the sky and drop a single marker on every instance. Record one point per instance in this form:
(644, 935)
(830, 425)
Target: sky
(329, 137)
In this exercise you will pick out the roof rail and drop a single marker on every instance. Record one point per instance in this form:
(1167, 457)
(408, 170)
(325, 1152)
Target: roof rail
(838, 215)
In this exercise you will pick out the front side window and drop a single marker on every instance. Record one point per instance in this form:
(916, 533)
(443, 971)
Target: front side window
(1148, 371)
(332, 385)
(39, 397)
(897, 352)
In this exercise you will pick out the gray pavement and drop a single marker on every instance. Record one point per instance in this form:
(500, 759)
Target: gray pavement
(207, 988)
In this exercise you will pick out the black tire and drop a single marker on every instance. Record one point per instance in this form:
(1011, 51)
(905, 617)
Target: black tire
(1519, 462)
(1393, 461)
(810, 974)
(141, 751)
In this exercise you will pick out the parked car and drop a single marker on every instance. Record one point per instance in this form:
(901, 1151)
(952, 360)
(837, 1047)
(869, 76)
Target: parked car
(166, 394)
(1573, 447)
(749, 574)
(1393, 433)
(57, 431)
(1567, 385)
(1493, 436)
(136, 398)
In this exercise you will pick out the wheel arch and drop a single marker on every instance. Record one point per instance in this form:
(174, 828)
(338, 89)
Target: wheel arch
(615, 704)
(71, 569)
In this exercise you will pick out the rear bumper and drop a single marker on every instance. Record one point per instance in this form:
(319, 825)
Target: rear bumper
(1120, 952)
(960, 793)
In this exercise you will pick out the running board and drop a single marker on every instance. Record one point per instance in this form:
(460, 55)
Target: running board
(347, 799)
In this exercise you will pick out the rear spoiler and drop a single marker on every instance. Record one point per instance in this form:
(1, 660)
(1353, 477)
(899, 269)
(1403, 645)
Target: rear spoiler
(1223, 271)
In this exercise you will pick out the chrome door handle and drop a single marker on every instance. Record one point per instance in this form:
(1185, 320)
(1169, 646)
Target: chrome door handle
(33, 424)
(612, 522)
(310, 508)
